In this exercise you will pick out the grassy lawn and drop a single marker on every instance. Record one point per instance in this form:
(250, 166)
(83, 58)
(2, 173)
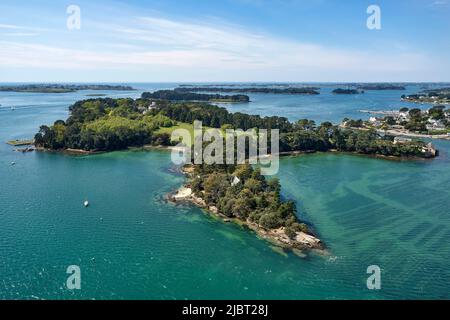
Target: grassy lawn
(183, 125)
(180, 125)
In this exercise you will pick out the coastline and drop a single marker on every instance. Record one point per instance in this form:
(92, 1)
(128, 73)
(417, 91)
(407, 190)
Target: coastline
(93, 152)
(281, 154)
(69, 151)
(400, 133)
(373, 156)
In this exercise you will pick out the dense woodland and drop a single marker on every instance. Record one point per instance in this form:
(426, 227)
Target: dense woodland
(105, 125)
(114, 124)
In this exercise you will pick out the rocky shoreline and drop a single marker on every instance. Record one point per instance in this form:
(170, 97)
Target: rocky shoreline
(301, 243)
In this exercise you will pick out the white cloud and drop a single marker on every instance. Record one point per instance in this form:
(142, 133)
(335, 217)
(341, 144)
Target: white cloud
(439, 3)
(20, 34)
(8, 26)
(154, 43)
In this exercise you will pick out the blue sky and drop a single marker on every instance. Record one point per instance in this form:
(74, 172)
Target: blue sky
(227, 40)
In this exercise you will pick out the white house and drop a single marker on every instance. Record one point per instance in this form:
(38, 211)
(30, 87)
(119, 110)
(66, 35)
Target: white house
(235, 181)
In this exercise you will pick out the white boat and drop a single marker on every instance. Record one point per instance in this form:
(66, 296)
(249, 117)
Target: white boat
(13, 163)
(86, 203)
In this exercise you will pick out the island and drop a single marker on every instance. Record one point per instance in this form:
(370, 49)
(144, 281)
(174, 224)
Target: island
(381, 86)
(236, 193)
(346, 91)
(305, 90)
(252, 85)
(242, 195)
(61, 88)
(181, 95)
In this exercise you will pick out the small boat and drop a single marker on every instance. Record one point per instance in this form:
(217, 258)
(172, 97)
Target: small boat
(13, 163)
(86, 203)
(12, 108)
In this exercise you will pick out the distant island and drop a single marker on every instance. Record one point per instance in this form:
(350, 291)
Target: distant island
(181, 95)
(435, 96)
(236, 193)
(346, 91)
(96, 95)
(61, 88)
(250, 85)
(381, 86)
(306, 90)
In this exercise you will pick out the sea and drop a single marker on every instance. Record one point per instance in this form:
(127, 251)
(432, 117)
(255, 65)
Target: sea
(131, 244)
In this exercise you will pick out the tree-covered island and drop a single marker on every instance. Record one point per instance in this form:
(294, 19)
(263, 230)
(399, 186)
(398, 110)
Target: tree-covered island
(181, 95)
(241, 194)
(381, 86)
(61, 88)
(236, 193)
(347, 91)
(304, 90)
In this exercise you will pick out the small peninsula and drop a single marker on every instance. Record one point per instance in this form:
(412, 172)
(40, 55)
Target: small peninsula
(240, 194)
(61, 88)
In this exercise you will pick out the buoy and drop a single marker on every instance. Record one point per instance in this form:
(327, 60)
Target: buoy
(86, 203)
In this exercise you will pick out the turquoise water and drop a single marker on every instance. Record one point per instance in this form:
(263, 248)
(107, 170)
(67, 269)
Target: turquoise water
(130, 243)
